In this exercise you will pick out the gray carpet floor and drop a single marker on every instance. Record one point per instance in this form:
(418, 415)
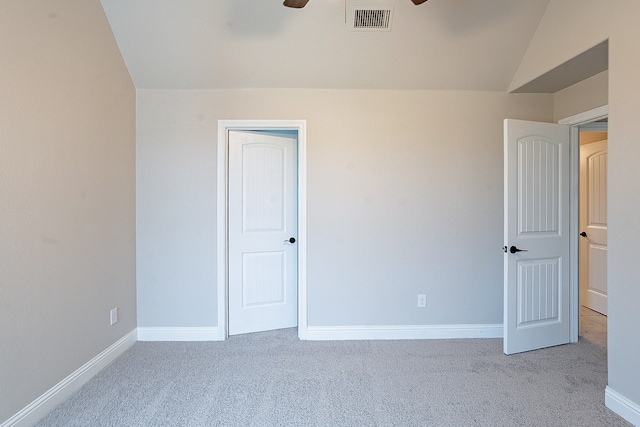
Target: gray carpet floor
(273, 379)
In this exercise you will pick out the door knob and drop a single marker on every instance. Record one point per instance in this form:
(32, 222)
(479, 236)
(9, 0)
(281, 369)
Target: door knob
(583, 234)
(513, 250)
(291, 240)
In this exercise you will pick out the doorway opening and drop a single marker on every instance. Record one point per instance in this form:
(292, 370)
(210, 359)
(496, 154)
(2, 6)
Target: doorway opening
(589, 121)
(297, 129)
(593, 231)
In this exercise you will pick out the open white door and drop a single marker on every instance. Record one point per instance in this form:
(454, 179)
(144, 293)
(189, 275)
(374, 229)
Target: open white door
(593, 226)
(262, 231)
(536, 235)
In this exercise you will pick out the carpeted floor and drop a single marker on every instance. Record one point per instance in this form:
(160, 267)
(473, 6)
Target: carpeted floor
(273, 379)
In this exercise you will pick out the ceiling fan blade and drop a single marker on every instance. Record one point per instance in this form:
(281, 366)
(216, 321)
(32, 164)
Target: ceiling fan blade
(417, 2)
(297, 4)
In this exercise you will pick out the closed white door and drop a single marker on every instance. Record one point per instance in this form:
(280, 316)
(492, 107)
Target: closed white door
(536, 235)
(262, 231)
(593, 226)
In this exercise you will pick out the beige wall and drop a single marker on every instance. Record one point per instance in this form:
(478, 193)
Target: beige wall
(67, 230)
(589, 137)
(583, 96)
(404, 197)
(568, 28)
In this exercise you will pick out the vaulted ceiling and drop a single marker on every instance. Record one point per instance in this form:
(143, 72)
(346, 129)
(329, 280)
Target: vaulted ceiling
(237, 44)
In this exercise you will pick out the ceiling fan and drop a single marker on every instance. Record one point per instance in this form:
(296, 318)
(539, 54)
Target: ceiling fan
(298, 4)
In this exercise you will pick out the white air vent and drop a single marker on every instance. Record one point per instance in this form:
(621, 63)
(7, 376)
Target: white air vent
(370, 19)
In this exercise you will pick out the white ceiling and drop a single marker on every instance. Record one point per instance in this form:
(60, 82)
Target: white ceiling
(234, 44)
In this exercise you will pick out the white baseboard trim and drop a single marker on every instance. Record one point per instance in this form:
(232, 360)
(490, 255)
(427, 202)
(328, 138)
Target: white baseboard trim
(180, 334)
(622, 406)
(37, 409)
(401, 332)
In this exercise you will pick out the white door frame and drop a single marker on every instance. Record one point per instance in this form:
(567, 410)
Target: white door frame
(574, 158)
(222, 260)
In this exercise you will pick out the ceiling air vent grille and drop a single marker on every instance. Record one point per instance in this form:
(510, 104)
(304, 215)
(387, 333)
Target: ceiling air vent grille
(372, 19)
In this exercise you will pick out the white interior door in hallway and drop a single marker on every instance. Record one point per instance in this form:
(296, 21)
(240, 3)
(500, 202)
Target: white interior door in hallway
(593, 226)
(536, 235)
(262, 230)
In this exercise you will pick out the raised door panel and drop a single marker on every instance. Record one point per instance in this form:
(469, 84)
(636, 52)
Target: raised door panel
(538, 186)
(263, 279)
(597, 190)
(538, 292)
(263, 188)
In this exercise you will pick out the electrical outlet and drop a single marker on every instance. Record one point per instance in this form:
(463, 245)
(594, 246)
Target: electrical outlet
(422, 300)
(113, 316)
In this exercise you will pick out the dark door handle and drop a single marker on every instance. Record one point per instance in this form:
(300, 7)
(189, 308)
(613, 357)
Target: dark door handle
(291, 240)
(583, 234)
(513, 250)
